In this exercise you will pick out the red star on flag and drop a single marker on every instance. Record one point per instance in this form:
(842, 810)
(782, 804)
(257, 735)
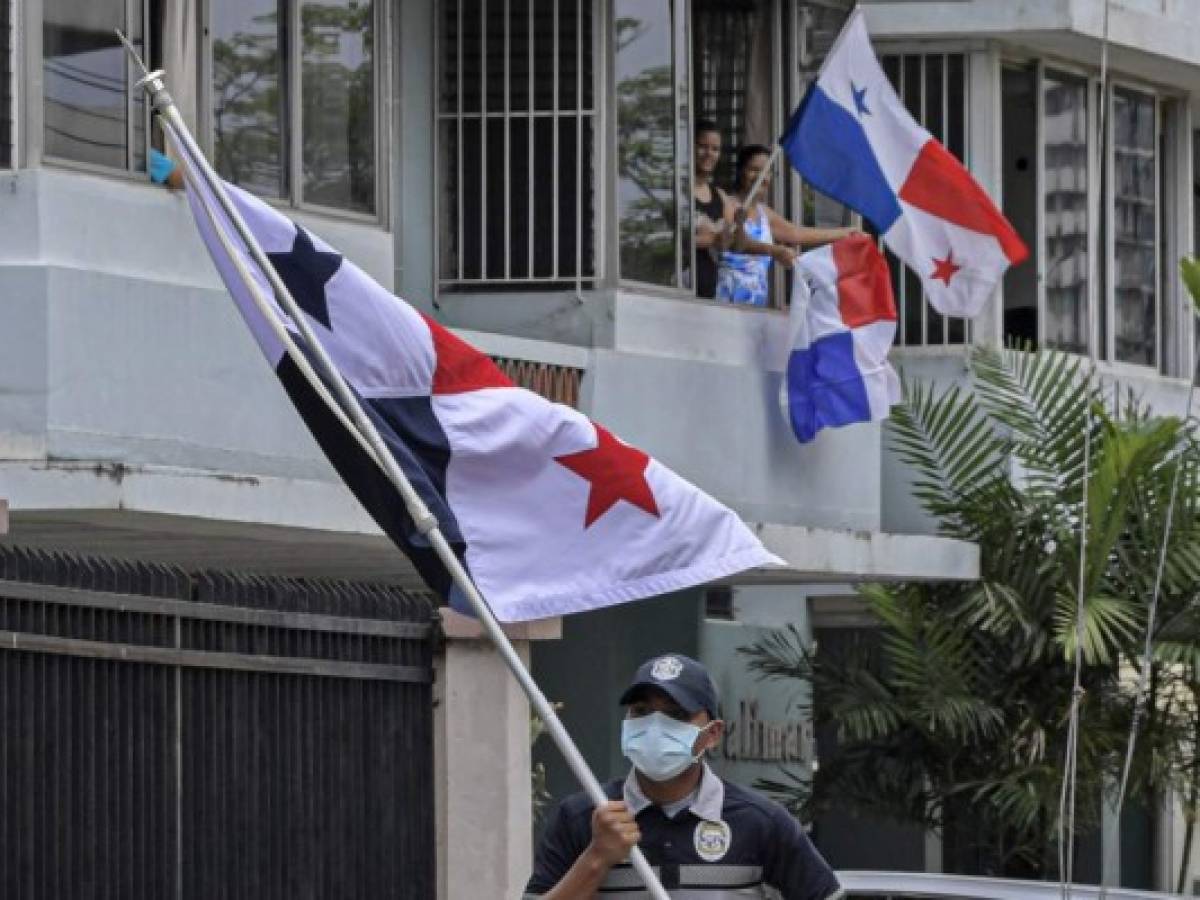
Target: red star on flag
(616, 471)
(944, 269)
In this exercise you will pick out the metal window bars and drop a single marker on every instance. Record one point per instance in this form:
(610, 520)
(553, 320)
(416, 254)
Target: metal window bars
(934, 89)
(515, 143)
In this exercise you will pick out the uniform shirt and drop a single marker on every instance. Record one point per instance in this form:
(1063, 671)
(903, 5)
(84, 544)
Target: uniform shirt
(729, 842)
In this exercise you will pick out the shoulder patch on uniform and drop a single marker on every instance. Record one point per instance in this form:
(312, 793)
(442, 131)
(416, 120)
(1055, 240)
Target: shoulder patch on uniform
(712, 840)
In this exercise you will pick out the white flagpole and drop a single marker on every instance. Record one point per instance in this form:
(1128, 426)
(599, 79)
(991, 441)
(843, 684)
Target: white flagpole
(425, 521)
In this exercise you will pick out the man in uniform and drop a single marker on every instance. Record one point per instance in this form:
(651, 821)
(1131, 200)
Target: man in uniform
(705, 837)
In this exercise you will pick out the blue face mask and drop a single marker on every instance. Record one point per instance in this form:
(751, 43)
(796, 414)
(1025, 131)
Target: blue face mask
(658, 746)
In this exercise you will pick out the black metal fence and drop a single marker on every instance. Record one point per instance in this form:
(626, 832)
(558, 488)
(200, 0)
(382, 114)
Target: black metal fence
(166, 734)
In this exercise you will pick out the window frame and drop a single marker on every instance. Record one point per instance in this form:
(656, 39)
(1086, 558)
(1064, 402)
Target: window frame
(15, 84)
(1092, 321)
(1109, 250)
(292, 70)
(1101, 291)
(33, 102)
(681, 40)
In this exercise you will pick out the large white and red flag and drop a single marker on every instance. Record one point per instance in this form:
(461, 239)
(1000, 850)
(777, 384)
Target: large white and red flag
(549, 511)
(853, 139)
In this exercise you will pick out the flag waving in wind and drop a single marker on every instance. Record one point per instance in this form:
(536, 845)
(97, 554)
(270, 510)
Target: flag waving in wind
(852, 139)
(549, 511)
(843, 322)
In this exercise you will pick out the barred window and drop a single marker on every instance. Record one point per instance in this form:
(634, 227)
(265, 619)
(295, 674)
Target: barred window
(933, 87)
(516, 114)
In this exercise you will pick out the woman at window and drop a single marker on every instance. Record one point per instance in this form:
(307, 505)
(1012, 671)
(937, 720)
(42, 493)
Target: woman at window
(742, 276)
(714, 209)
(716, 212)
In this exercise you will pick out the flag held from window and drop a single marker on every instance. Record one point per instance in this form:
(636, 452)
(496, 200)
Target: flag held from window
(549, 511)
(843, 322)
(852, 139)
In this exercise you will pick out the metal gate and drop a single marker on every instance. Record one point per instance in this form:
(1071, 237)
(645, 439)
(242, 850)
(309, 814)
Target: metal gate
(166, 734)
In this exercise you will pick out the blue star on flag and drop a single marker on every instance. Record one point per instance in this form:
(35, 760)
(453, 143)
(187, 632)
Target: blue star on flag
(306, 271)
(860, 99)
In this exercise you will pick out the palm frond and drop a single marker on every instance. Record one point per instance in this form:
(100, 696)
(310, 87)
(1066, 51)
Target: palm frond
(953, 452)
(1042, 399)
(1109, 625)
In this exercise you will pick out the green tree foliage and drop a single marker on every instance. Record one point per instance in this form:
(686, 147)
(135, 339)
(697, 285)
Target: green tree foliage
(953, 715)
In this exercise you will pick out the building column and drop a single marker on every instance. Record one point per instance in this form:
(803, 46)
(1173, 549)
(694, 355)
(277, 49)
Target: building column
(984, 162)
(482, 762)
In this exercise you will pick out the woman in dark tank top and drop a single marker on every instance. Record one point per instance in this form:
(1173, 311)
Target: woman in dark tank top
(712, 223)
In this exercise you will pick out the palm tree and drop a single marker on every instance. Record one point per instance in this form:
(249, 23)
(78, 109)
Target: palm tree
(954, 716)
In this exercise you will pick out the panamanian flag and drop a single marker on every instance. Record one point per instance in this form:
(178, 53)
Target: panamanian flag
(843, 323)
(550, 512)
(852, 139)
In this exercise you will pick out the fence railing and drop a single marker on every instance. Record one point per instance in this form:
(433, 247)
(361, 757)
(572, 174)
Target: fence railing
(197, 735)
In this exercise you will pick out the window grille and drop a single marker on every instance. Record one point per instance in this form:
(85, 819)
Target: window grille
(558, 384)
(723, 34)
(933, 87)
(516, 115)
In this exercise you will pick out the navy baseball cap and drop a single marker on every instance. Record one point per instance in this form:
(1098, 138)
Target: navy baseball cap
(681, 678)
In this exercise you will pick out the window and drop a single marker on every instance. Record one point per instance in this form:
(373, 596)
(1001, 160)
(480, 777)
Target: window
(1134, 207)
(516, 131)
(91, 113)
(6, 85)
(1094, 239)
(1065, 211)
(653, 189)
(1019, 187)
(294, 107)
(1195, 242)
(933, 87)
(731, 85)
(718, 604)
(817, 26)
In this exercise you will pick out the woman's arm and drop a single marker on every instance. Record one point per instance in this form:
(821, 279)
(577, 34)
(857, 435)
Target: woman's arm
(797, 235)
(743, 243)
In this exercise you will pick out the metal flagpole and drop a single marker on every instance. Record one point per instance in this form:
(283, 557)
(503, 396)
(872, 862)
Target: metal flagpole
(749, 202)
(424, 521)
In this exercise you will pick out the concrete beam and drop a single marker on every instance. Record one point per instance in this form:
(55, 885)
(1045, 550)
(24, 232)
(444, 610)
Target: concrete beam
(256, 523)
(3, 516)
(1155, 45)
(828, 555)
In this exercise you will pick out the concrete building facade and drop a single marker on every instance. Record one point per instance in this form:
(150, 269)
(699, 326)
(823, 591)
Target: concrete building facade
(520, 171)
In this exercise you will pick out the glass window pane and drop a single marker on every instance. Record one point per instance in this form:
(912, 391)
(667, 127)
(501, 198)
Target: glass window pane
(1195, 250)
(249, 106)
(1018, 128)
(1064, 133)
(646, 172)
(87, 106)
(1134, 227)
(6, 85)
(338, 95)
